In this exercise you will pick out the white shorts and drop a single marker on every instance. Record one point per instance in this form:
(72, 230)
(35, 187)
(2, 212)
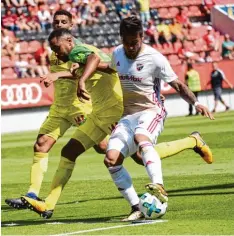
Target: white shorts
(148, 122)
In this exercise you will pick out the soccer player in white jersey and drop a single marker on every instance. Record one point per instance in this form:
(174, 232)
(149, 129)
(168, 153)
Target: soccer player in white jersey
(140, 69)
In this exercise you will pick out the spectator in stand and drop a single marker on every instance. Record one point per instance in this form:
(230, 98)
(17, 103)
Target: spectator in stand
(185, 53)
(227, 47)
(44, 16)
(7, 37)
(19, 3)
(164, 34)
(37, 70)
(208, 58)
(21, 67)
(217, 77)
(124, 9)
(97, 7)
(192, 79)
(144, 10)
(201, 57)
(182, 18)
(175, 30)
(151, 31)
(8, 21)
(42, 54)
(209, 38)
(33, 21)
(207, 5)
(84, 14)
(22, 20)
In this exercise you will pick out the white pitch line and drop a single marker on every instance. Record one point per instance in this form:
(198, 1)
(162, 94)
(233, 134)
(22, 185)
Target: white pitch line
(111, 227)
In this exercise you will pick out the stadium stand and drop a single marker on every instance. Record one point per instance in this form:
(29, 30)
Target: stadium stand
(178, 29)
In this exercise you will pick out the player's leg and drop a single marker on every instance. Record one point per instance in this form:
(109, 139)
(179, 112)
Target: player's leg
(196, 95)
(190, 110)
(150, 125)
(217, 94)
(101, 147)
(78, 117)
(222, 101)
(85, 137)
(50, 131)
(167, 149)
(118, 149)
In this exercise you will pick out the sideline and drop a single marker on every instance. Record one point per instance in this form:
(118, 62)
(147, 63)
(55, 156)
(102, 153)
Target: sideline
(138, 223)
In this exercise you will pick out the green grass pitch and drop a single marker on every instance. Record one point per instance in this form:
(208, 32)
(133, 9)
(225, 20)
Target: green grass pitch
(201, 196)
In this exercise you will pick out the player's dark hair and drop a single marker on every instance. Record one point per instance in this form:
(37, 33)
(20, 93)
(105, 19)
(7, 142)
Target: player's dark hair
(63, 13)
(59, 33)
(131, 26)
(190, 66)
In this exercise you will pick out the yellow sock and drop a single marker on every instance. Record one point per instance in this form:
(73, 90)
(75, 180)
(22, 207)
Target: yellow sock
(171, 148)
(61, 177)
(39, 167)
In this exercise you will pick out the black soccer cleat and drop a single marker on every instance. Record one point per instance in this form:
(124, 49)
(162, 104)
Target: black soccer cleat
(15, 203)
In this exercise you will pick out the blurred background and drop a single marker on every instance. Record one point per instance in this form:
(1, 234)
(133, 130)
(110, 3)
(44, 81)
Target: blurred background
(198, 32)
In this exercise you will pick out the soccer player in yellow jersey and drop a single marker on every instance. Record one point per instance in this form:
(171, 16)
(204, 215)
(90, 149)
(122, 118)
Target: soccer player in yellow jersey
(106, 96)
(65, 108)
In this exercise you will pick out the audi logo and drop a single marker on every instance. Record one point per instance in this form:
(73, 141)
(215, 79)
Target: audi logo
(16, 94)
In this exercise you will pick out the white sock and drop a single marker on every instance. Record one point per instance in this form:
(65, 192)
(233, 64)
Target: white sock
(151, 161)
(123, 182)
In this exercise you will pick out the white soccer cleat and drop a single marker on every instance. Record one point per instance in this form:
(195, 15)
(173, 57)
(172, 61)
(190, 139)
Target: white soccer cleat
(134, 215)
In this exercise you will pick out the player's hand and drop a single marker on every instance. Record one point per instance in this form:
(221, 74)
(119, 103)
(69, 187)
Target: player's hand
(82, 93)
(74, 67)
(204, 111)
(80, 120)
(48, 79)
(162, 98)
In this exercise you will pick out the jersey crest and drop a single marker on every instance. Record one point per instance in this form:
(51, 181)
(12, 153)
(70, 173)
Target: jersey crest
(139, 66)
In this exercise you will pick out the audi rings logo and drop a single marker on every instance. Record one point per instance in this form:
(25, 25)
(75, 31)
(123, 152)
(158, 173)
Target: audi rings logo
(16, 94)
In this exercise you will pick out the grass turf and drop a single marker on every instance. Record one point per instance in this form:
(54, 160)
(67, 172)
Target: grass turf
(201, 196)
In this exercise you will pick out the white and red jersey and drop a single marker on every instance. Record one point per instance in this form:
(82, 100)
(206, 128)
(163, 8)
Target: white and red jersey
(141, 78)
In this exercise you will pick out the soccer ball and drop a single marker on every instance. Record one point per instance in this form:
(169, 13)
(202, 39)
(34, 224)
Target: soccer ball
(151, 207)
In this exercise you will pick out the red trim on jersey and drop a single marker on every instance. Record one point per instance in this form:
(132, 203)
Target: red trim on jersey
(156, 120)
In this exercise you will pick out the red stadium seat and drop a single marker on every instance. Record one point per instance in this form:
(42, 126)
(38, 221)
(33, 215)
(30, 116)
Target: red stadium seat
(24, 47)
(8, 73)
(189, 45)
(200, 45)
(5, 62)
(174, 60)
(33, 46)
(216, 56)
(168, 48)
(177, 46)
(194, 11)
(173, 11)
(163, 12)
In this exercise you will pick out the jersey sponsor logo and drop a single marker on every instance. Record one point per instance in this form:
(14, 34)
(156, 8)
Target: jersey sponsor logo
(130, 77)
(16, 94)
(139, 66)
(118, 63)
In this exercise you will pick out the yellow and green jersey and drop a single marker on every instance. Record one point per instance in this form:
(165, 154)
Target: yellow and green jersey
(104, 88)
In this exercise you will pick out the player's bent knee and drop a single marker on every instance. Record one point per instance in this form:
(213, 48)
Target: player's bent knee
(72, 149)
(44, 143)
(101, 147)
(113, 158)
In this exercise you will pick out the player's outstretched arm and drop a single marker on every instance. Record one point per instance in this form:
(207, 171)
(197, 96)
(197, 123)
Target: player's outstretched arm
(49, 78)
(190, 98)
